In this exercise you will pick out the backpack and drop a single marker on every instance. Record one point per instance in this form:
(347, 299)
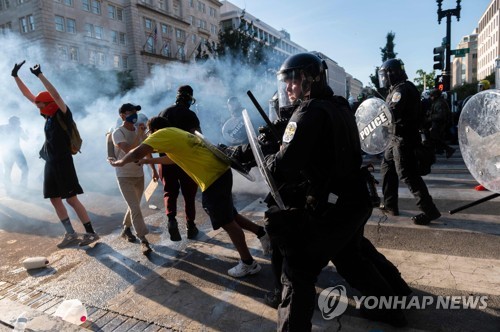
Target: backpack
(110, 146)
(73, 133)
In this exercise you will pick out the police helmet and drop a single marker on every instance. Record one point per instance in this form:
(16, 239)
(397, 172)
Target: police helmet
(483, 85)
(435, 93)
(233, 104)
(310, 69)
(391, 73)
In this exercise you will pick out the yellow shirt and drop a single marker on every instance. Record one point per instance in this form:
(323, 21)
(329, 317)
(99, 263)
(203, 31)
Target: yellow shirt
(190, 153)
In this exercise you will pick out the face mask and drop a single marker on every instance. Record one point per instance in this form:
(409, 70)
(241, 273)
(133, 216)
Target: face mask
(132, 118)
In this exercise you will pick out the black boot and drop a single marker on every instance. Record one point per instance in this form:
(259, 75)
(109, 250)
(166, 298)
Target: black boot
(173, 230)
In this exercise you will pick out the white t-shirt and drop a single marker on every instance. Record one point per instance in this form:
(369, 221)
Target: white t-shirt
(130, 170)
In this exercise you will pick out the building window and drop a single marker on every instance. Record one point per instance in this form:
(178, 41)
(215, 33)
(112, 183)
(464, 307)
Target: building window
(26, 23)
(193, 38)
(122, 38)
(181, 53)
(98, 32)
(150, 45)
(213, 29)
(176, 5)
(96, 7)
(213, 12)
(148, 24)
(59, 20)
(163, 5)
(114, 36)
(89, 29)
(119, 14)
(191, 3)
(124, 62)
(70, 25)
(6, 28)
(112, 12)
(86, 5)
(116, 61)
(165, 50)
(180, 34)
(73, 53)
(62, 52)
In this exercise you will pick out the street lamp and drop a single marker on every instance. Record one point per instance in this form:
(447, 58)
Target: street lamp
(448, 13)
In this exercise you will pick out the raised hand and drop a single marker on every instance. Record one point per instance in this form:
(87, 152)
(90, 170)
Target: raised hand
(16, 68)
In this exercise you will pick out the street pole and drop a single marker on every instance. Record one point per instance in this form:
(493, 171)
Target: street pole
(448, 13)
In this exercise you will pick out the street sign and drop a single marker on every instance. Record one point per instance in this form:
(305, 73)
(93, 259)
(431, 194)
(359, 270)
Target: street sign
(461, 52)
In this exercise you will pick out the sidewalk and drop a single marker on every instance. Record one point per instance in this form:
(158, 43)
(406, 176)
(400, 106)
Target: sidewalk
(195, 293)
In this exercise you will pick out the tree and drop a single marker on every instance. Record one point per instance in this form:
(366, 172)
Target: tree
(424, 80)
(387, 53)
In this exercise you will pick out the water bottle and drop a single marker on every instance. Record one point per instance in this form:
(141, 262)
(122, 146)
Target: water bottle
(72, 311)
(20, 324)
(35, 263)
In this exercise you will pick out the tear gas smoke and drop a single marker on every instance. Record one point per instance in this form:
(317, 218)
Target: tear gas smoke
(94, 99)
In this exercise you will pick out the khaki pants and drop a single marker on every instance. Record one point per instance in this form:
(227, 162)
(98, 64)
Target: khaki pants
(132, 189)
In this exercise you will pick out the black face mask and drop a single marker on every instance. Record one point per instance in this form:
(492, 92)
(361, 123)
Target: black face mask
(132, 118)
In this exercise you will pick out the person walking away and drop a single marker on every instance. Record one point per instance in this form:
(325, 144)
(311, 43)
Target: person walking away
(60, 178)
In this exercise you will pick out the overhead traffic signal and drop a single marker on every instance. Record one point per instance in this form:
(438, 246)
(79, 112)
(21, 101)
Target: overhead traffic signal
(439, 57)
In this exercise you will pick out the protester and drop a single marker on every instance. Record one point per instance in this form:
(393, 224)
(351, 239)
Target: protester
(400, 161)
(60, 178)
(10, 136)
(233, 130)
(131, 177)
(215, 180)
(173, 177)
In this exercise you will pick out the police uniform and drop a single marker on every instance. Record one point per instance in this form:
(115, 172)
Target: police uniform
(400, 161)
(320, 155)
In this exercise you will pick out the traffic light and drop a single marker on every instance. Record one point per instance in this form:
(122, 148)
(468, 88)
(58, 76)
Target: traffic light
(438, 83)
(439, 57)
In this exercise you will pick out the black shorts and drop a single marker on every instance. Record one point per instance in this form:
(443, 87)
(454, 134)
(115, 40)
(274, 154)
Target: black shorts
(217, 200)
(60, 179)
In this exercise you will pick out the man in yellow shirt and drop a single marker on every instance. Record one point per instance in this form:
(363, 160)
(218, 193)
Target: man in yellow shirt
(214, 178)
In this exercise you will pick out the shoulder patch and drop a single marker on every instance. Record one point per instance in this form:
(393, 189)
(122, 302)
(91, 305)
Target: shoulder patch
(289, 132)
(396, 97)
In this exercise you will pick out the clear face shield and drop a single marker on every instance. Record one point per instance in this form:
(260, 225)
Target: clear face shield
(383, 78)
(480, 87)
(286, 96)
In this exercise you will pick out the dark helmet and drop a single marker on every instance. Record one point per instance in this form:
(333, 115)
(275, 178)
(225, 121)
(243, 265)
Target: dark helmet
(310, 69)
(391, 73)
(435, 93)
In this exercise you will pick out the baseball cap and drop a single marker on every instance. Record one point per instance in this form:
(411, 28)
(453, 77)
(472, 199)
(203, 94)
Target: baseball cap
(129, 107)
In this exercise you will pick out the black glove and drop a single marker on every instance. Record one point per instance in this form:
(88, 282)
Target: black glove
(36, 70)
(16, 68)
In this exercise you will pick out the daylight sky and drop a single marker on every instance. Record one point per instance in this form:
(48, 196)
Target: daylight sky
(352, 32)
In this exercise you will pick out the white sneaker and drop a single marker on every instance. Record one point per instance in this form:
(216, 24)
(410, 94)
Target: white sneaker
(243, 269)
(88, 238)
(68, 240)
(265, 241)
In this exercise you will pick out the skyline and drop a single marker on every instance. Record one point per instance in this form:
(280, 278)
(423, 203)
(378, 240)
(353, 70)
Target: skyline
(353, 37)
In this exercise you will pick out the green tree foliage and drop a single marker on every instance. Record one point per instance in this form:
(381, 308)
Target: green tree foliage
(387, 53)
(125, 80)
(422, 77)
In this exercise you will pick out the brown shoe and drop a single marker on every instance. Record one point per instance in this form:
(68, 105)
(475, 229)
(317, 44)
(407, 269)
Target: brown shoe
(145, 248)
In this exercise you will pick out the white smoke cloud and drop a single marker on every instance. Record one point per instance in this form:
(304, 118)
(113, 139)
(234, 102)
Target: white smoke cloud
(95, 107)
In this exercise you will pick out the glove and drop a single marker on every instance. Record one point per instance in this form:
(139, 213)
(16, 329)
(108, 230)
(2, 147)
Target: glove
(16, 68)
(36, 70)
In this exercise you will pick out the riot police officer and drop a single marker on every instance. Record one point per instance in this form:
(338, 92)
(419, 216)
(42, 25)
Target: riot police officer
(400, 162)
(318, 172)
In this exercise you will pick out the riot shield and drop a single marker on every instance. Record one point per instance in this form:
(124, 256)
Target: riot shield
(259, 158)
(233, 131)
(225, 158)
(479, 138)
(374, 119)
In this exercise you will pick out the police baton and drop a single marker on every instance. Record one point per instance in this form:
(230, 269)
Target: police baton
(271, 126)
(479, 201)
